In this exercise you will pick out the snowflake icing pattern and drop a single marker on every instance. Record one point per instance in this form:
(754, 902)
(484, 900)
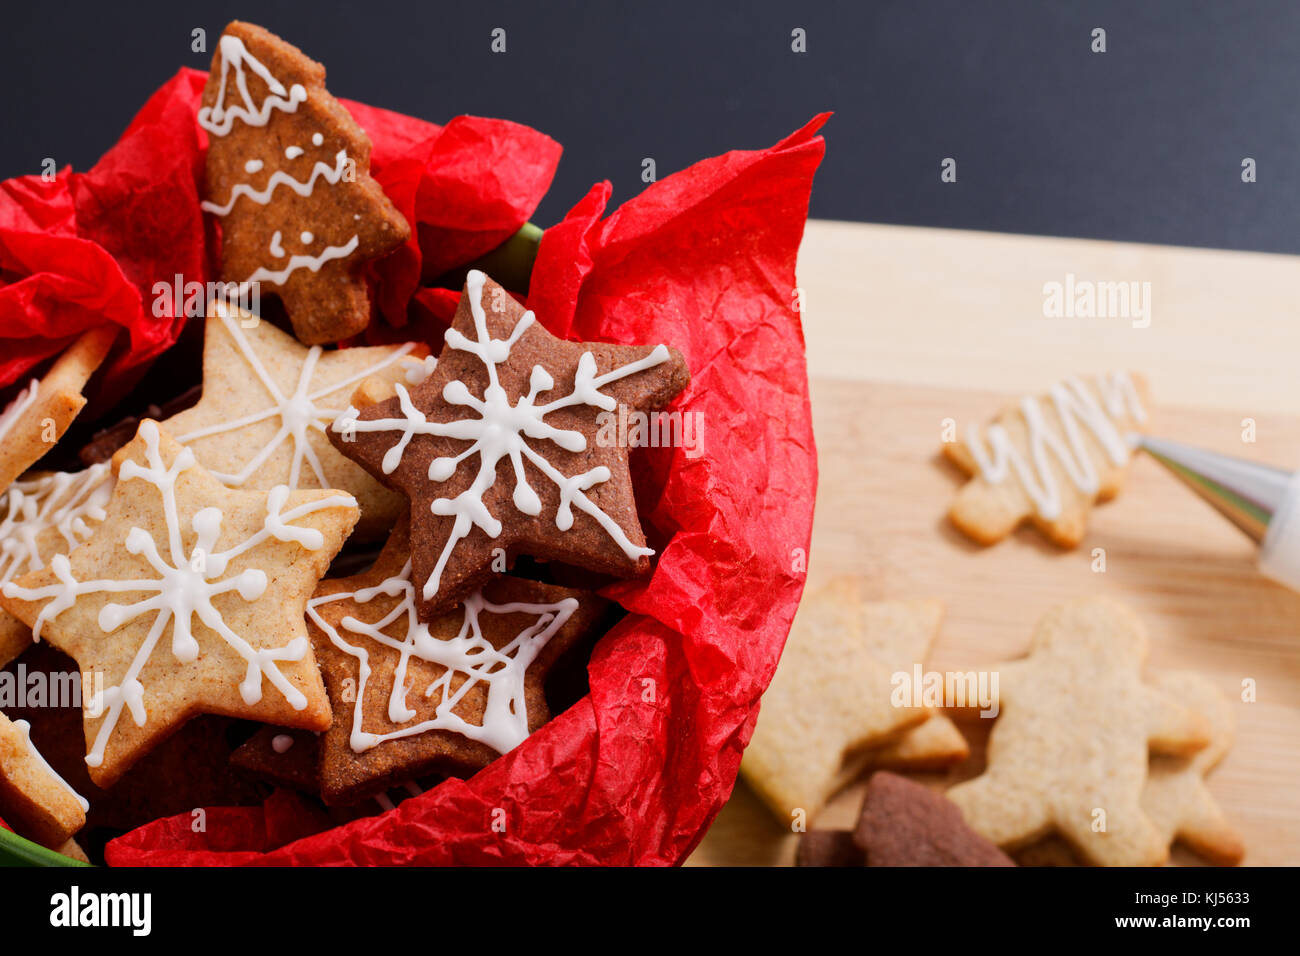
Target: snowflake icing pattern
(500, 431)
(298, 413)
(184, 587)
(469, 654)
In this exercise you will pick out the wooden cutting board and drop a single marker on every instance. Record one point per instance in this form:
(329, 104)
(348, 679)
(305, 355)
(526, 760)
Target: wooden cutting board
(907, 327)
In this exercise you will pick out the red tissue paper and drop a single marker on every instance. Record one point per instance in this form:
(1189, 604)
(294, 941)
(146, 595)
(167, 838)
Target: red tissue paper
(635, 771)
(80, 250)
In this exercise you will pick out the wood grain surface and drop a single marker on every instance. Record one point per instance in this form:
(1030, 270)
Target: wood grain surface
(907, 327)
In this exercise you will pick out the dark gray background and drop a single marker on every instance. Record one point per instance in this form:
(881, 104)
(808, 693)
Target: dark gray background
(1143, 142)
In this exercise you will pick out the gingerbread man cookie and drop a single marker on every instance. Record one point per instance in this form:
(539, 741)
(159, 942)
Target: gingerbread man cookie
(1070, 748)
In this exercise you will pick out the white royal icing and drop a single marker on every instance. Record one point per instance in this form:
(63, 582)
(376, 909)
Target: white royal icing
(282, 743)
(25, 729)
(331, 174)
(21, 402)
(498, 432)
(253, 166)
(314, 263)
(219, 119)
(70, 502)
(306, 238)
(184, 588)
(277, 249)
(298, 413)
(418, 370)
(469, 655)
(1076, 407)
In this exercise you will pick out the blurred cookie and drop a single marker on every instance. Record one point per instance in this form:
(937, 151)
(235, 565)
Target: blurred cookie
(1069, 751)
(831, 695)
(1048, 460)
(905, 824)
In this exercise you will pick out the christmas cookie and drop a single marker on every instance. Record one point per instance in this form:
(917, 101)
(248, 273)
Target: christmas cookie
(281, 756)
(41, 516)
(932, 745)
(43, 409)
(188, 598)
(831, 695)
(829, 848)
(499, 449)
(448, 696)
(905, 824)
(1176, 798)
(185, 771)
(1069, 751)
(33, 798)
(1048, 460)
(288, 177)
(268, 401)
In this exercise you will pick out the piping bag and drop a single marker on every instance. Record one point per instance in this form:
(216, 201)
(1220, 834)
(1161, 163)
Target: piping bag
(1262, 501)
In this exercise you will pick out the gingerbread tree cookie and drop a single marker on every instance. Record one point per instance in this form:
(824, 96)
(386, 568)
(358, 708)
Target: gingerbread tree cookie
(1048, 460)
(448, 696)
(268, 401)
(1070, 747)
(831, 695)
(41, 516)
(188, 598)
(500, 450)
(288, 174)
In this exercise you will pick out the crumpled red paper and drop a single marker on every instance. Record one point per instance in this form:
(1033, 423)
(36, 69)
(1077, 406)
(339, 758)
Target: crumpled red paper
(86, 249)
(636, 771)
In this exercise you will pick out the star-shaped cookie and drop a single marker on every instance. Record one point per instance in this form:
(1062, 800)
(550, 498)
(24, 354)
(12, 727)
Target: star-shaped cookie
(268, 401)
(188, 598)
(445, 697)
(832, 695)
(1048, 460)
(511, 447)
(1070, 748)
(40, 516)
